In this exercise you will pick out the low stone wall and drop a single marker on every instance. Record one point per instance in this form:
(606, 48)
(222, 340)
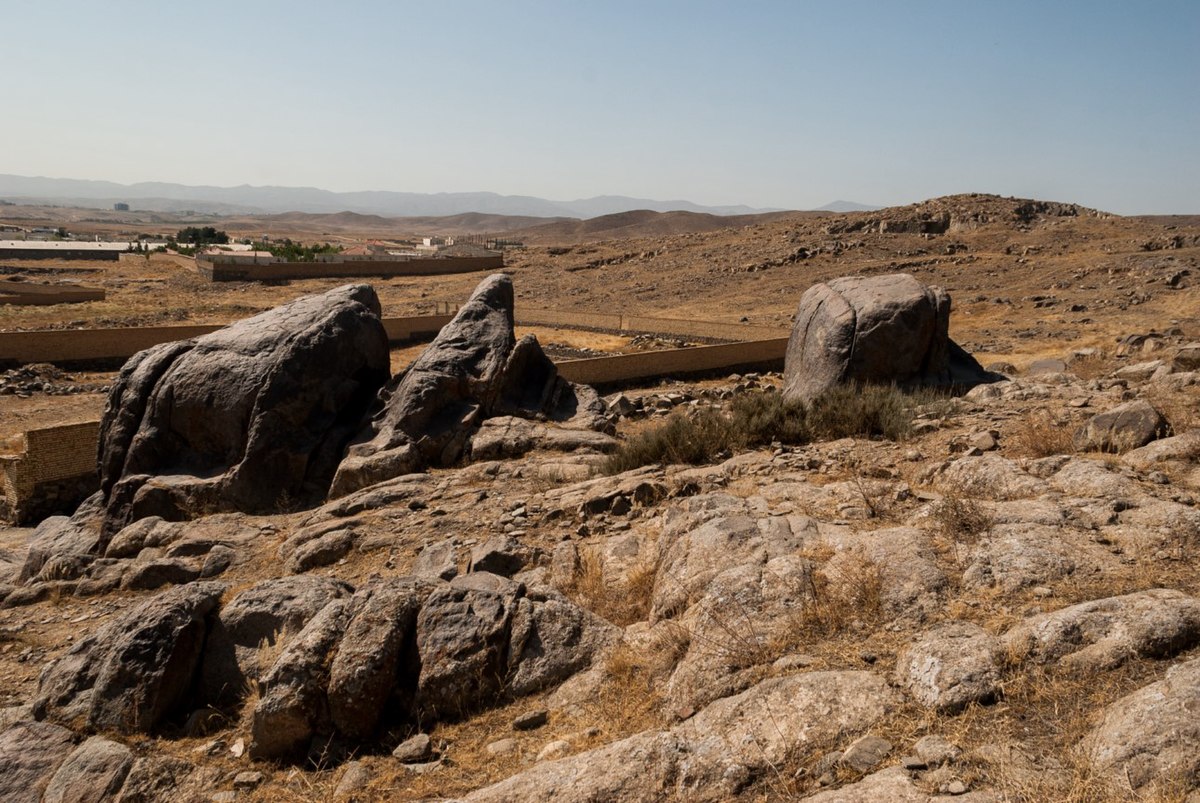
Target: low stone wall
(55, 472)
(60, 253)
(282, 271)
(764, 354)
(29, 294)
(83, 346)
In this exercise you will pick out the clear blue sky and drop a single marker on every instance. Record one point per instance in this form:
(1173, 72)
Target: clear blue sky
(787, 104)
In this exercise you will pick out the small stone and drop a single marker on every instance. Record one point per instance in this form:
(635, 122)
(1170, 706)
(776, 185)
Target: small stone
(913, 763)
(793, 661)
(531, 719)
(502, 747)
(238, 748)
(554, 750)
(956, 788)
(424, 768)
(935, 750)
(354, 779)
(415, 749)
(865, 753)
(247, 780)
(224, 797)
(984, 441)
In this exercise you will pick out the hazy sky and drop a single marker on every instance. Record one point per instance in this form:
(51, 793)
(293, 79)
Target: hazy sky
(787, 104)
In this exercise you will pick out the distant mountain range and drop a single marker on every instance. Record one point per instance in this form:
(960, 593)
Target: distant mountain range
(245, 199)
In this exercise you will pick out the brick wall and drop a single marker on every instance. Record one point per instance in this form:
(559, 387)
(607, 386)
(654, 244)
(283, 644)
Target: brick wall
(278, 271)
(56, 471)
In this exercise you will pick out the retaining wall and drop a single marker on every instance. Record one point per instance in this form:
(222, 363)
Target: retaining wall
(698, 359)
(55, 472)
(28, 294)
(75, 346)
(60, 253)
(281, 271)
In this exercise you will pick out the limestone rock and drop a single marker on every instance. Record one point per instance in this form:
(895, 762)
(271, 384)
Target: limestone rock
(951, 666)
(1152, 734)
(1122, 428)
(1104, 633)
(474, 369)
(878, 329)
(93, 773)
(246, 418)
(30, 753)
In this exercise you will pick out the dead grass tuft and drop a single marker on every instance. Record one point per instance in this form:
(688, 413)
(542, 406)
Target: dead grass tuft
(621, 603)
(1041, 434)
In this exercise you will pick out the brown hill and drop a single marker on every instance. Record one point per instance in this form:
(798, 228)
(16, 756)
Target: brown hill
(642, 223)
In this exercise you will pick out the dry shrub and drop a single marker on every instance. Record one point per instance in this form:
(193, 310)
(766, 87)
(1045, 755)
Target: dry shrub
(837, 599)
(621, 603)
(629, 700)
(1040, 434)
(1182, 410)
(959, 518)
(758, 419)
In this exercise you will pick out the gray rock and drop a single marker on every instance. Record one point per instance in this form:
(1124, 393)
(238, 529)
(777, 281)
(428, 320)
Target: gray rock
(154, 778)
(893, 785)
(554, 750)
(293, 705)
(247, 418)
(866, 753)
(259, 615)
(934, 750)
(328, 548)
(550, 639)
(93, 773)
(130, 675)
(1187, 358)
(1151, 735)
(151, 574)
(878, 329)
(1105, 633)
(30, 753)
(1046, 366)
(1181, 448)
(247, 779)
(415, 749)
(355, 777)
(462, 640)
(473, 370)
(1122, 428)
(377, 656)
(531, 720)
(951, 666)
(59, 537)
(438, 560)
(499, 555)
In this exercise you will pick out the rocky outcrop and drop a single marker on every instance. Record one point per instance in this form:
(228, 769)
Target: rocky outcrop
(250, 417)
(1151, 736)
(30, 753)
(131, 675)
(874, 330)
(1105, 633)
(475, 369)
(1125, 427)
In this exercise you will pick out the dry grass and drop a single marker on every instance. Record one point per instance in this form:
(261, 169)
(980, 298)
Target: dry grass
(621, 602)
(1041, 434)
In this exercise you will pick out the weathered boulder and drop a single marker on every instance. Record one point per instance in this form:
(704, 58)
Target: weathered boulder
(377, 651)
(131, 675)
(951, 666)
(1153, 734)
(250, 417)
(716, 753)
(294, 706)
(30, 753)
(261, 615)
(1125, 427)
(462, 639)
(475, 369)
(874, 329)
(1104, 633)
(93, 773)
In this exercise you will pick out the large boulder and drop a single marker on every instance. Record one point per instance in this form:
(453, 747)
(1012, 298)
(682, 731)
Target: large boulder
(1128, 426)
(131, 675)
(874, 329)
(30, 753)
(250, 417)
(475, 369)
